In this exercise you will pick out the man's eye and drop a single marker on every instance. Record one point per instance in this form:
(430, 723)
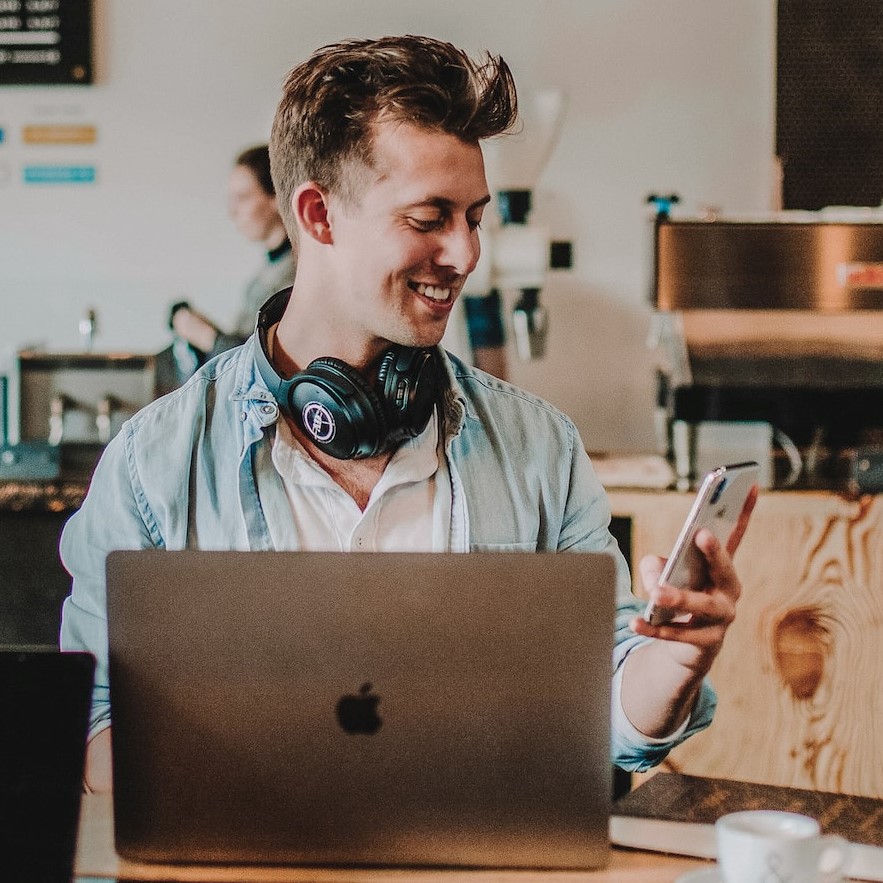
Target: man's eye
(426, 225)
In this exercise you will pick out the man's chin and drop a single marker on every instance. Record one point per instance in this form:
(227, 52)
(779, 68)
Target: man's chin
(422, 338)
(428, 343)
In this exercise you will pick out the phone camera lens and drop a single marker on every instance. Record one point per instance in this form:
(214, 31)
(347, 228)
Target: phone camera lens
(718, 491)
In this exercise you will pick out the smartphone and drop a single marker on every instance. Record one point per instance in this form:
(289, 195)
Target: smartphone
(717, 506)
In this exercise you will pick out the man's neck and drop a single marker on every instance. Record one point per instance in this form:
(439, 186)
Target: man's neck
(280, 355)
(307, 332)
(357, 477)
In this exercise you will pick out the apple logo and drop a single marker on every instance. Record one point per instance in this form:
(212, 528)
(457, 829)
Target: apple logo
(357, 712)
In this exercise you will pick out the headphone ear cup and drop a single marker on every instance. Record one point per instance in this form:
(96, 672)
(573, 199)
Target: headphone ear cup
(407, 383)
(338, 410)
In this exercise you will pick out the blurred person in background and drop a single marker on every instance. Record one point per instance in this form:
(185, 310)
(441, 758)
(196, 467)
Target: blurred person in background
(253, 209)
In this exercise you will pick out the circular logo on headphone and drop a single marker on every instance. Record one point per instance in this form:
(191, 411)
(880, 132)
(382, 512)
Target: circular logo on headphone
(318, 421)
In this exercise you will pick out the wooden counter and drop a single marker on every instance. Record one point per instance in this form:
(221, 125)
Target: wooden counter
(32, 514)
(42, 496)
(800, 678)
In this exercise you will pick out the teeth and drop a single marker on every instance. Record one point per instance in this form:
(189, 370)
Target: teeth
(432, 292)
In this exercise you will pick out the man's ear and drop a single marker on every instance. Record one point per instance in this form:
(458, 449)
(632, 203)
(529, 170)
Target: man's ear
(309, 202)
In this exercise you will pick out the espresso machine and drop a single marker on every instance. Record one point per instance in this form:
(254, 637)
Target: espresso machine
(770, 337)
(517, 249)
(61, 409)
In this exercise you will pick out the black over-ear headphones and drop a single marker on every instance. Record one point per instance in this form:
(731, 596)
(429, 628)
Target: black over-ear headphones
(338, 408)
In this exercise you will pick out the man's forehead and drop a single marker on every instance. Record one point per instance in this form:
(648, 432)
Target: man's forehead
(435, 158)
(404, 142)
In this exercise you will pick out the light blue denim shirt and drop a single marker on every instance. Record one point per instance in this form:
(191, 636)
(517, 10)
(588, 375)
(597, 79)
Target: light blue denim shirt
(185, 472)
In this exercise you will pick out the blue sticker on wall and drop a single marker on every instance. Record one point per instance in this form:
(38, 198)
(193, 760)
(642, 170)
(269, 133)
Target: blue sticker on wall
(59, 174)
(2, 133)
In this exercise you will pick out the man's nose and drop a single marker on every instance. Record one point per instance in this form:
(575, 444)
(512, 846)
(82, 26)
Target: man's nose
(459, 248)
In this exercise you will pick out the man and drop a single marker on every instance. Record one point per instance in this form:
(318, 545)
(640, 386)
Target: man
(377, 164)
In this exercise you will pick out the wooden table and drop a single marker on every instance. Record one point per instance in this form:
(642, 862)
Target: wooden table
(96, 858)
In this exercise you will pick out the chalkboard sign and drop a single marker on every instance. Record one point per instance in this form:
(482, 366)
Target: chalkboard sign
(45, 42)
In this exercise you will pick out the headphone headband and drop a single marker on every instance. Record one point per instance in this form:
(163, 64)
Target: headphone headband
(268, 315)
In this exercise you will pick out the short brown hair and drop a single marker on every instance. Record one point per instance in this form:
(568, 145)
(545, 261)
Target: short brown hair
(330, 102)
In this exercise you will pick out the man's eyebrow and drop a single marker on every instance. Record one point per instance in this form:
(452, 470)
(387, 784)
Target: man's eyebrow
(440, 202)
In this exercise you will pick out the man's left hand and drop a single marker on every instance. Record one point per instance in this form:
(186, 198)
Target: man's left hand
(662, 679)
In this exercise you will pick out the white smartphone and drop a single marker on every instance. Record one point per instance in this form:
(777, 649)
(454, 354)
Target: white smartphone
(717, 506)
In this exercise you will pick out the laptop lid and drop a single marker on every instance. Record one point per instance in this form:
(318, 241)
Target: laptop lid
(361, 708)
(44, 716)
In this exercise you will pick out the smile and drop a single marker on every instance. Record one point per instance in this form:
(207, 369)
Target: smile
(433, 292)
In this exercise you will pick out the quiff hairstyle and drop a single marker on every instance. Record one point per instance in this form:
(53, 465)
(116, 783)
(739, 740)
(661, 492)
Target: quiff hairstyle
(322, 130)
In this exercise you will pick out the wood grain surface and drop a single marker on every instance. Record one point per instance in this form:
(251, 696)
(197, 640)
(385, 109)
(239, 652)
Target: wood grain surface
(800, 678)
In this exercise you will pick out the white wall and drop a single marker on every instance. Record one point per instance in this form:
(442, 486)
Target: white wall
(663, 95)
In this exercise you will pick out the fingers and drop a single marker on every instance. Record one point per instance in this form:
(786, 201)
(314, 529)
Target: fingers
(721, 572)
(696, 608)
(706, 637)
(694, 638)
(701, 617)
(650, 567)
(704, 615)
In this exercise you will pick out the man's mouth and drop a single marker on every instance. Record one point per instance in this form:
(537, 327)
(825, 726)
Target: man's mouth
(433, 292)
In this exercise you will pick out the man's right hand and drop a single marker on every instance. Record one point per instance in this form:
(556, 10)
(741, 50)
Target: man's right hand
(99, 769)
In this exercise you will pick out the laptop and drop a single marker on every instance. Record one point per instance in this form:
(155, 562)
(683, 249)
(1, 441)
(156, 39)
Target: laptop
(44, 716)
(369, 709)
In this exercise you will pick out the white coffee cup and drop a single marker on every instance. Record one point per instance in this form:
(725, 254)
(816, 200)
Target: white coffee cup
(767, 846)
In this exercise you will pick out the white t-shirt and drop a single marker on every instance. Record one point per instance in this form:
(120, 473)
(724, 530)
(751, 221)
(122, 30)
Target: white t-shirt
(409, 509)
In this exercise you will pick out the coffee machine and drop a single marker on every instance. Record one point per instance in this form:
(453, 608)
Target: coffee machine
(770, 339)
(61, 409)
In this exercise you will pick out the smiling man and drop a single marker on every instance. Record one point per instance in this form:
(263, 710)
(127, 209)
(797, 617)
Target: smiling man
(341, 425)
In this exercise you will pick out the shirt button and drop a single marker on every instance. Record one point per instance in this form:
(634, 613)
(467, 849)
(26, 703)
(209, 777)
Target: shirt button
(268, 409)
(243, 416)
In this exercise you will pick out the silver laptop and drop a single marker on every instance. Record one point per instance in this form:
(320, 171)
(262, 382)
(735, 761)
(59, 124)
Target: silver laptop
(361, 709)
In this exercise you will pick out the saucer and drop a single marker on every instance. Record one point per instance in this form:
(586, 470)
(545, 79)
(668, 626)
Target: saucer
(703, 875)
